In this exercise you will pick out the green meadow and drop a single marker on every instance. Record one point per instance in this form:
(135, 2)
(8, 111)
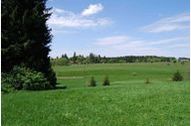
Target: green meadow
(128, 101)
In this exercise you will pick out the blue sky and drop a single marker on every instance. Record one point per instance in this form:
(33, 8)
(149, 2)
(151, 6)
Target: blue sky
(119, 28)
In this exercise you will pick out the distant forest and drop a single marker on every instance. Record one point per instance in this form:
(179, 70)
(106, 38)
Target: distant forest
(93, 58)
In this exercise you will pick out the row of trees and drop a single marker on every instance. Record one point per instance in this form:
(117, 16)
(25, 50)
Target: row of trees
(93, 58)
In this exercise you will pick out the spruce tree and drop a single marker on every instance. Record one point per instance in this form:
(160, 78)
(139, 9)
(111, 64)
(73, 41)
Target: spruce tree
(74, 58)
(26, 37)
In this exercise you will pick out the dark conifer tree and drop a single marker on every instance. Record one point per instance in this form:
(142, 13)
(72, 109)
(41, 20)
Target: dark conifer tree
(65, 56)
(74, 58)
(26, 37)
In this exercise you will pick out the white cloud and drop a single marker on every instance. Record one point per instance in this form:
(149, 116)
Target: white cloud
(62, 12)
(61, 31)
(126, 41)
(77, 22)
(181, 45)
(58, 10)
(62, 18)
(121, 45)
(125, 45)
(92, 9)
(169, 40)
(177, 22)
(112, 40)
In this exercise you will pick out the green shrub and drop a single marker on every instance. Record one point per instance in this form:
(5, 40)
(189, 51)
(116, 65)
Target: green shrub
(147, 81)
(24, 78)
(30, 79)
(35, 81)
(92, 82)
(177, 76)
(174, 61)
(106, 81)
(182, 62)
(6, 82)
(134, 74)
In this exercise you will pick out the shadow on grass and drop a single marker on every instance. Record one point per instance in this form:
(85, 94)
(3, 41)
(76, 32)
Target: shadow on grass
(58, 86)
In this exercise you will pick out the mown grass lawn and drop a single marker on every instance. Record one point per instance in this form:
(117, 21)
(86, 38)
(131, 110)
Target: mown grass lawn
(127, 101)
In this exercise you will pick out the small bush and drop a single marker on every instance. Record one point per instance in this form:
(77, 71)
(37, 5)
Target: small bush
(177, 76)
(106, 81)
(134, 74)
(174, 61)
(182, 62)
(24, 78)
(147, 81)
(92, 82)
(30, 79)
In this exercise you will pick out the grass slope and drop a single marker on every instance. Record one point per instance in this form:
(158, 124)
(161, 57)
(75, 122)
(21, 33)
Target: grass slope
(128, 101)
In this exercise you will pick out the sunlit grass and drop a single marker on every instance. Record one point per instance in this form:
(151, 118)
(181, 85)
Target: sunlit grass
(127, 101)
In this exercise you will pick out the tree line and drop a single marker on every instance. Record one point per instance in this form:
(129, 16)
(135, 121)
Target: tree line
(93, 58)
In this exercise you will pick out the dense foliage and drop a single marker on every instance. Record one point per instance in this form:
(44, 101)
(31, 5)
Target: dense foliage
(6, 82)
(92, 82)
(177, 76)
(26, 36)
(147, 81)
(24, 78)
(92, 58)
(106, 81)
(60, 62)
